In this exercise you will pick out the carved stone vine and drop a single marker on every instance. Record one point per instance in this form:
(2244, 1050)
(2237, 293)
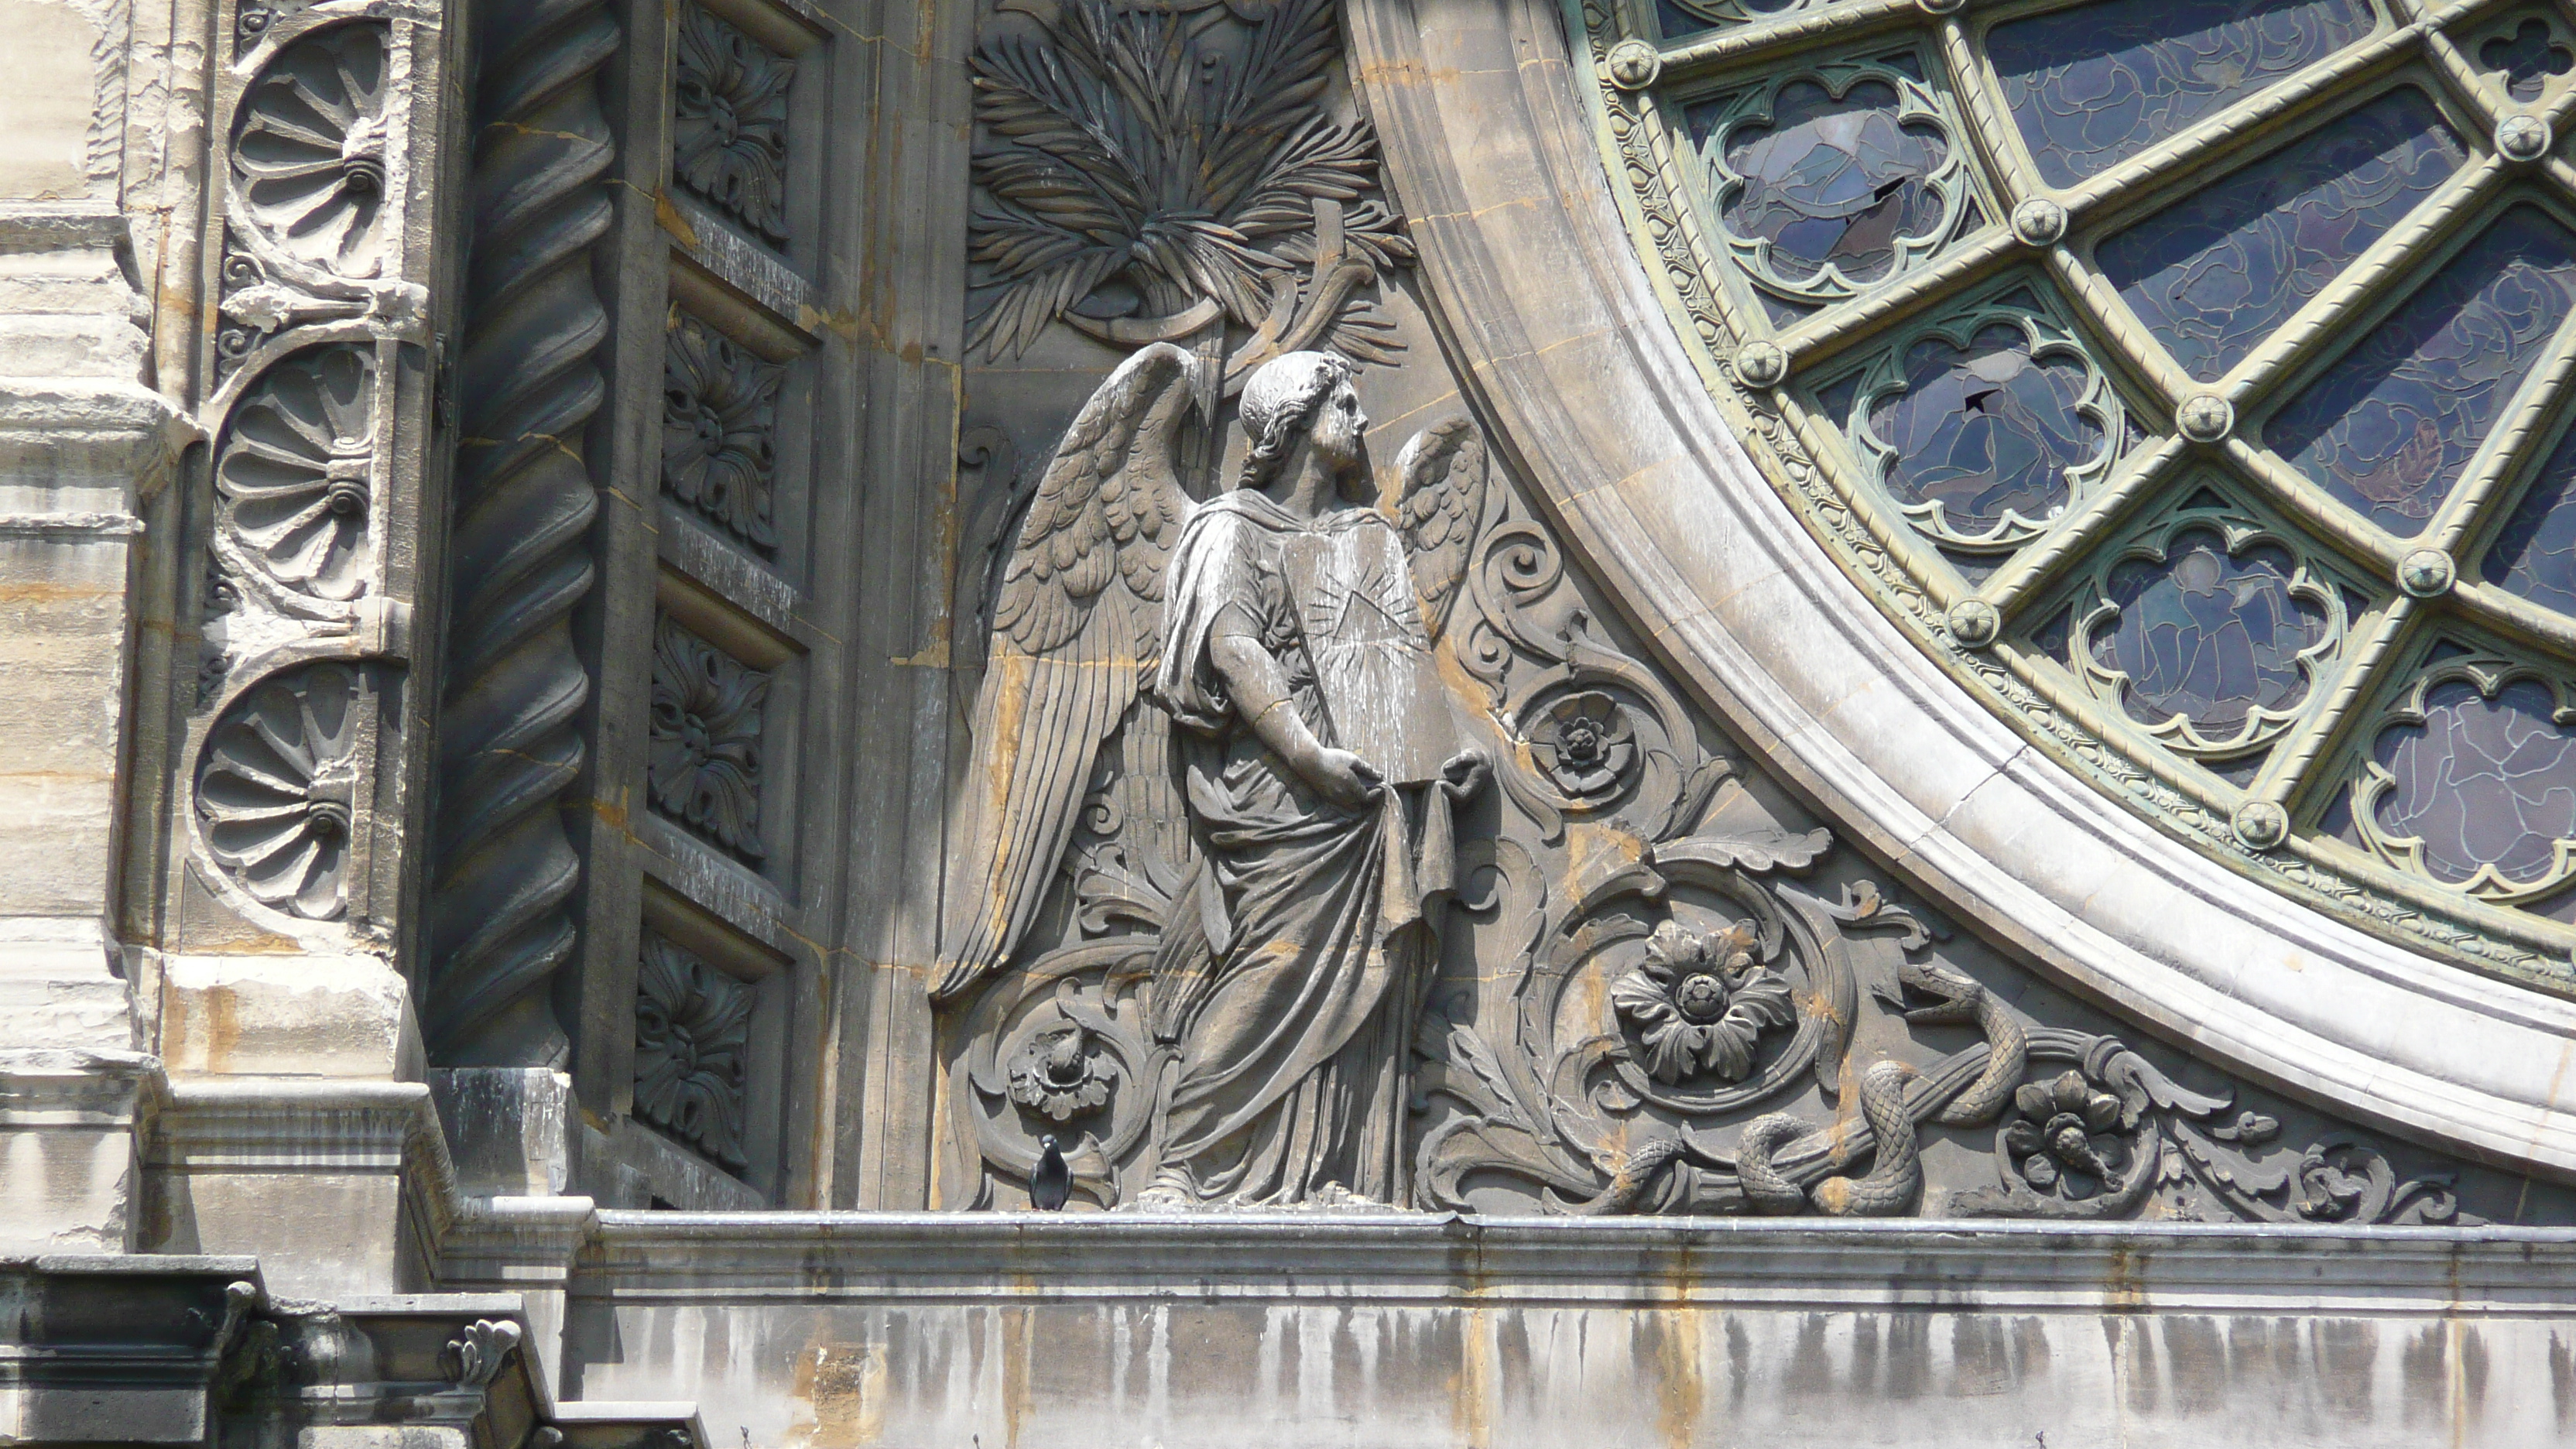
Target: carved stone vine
(692, 1050)
(729, 121)
(499, 926)
(704, 770)
(719, 421)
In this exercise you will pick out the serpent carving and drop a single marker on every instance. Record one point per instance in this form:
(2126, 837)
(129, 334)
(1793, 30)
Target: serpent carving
(1957, 999)
(1894, 1182)
(511, 745)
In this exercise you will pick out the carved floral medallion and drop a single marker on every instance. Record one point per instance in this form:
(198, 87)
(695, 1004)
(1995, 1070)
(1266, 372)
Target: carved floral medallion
(729, 121)
(277, 789)
(692, 1050)
(704, 770)
(719, 418)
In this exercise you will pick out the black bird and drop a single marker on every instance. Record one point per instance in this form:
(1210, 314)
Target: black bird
(1051, 1181)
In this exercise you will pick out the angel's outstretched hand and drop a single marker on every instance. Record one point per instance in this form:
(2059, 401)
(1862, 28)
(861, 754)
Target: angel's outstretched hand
(1344, 778)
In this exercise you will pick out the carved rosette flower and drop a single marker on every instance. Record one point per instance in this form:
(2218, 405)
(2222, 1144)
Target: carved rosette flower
(704, 769)
(719, 413)
(692, 1050)
(729, 127)
(309, 153)
(1701, 1002)
(1053, 1073)
(294, 472)
(2064, 1144)
(1586, 745)
(277, 790)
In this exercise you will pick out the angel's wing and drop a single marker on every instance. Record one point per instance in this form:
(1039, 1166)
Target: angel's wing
(1076, 627)
(1443, 505)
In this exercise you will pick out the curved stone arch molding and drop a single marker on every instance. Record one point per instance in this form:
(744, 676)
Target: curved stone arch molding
(1557, 330)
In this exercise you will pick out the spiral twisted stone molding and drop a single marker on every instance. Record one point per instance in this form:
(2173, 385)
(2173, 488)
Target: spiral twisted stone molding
(500, 926)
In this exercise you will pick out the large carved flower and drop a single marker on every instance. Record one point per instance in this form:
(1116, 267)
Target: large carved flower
(2061, 1144)
(294, 469)
(1700, 1003)
(1585, 744)
(692, 1050)
(310, 154)
(719, 411)
(1052, 1072)
(729, 128)
(704, 769)
(277, 790)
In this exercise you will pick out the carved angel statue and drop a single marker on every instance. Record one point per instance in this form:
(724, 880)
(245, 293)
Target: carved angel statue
(1286, 627)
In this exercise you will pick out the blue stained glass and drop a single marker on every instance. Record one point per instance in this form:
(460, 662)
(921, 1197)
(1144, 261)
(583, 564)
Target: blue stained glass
(2535, 553)
(2389, 426)
(2208, 635)
(2094, 85)
(2482, 781)
(1832, 181)
(2216, 272)
(2527, 60)
(1985, 430)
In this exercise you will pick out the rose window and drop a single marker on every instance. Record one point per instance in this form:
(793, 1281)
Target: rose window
(2196, 379)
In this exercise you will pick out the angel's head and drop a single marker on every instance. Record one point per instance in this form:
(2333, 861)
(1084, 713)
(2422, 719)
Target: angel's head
(1308, 398)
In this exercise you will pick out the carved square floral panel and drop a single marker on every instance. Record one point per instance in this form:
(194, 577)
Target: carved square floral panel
(729, 122)
(704, 765)
(719, 429)
(692, 1050)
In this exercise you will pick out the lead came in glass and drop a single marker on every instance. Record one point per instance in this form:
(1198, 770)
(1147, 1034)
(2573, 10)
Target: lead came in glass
(2535, 553)
(1985, 432)
(2212, 275)
(2482, 782)
(2092, 86)
(2208, 636)
(2390, 424)
(1834, 182)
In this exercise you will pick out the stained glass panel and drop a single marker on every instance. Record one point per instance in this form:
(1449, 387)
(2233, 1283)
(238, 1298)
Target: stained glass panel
(2526, 60)
(2207, 635)
(2390, 424)
(2094, 85)
(2481, 781)
(1832, 180)
(2212, 275)
(1986, 431)
(2535, 553)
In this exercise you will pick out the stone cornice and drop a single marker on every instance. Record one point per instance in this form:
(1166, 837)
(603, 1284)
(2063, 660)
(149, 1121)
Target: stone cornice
(1416, 1259)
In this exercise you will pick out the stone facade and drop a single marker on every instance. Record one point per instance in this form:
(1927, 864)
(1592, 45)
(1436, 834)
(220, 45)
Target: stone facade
(834, 722)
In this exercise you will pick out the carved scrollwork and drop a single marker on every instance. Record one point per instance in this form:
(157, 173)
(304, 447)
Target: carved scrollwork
(706, 740)
(1061, 1050)
(729, 121)
(309, 154)
(692, 1050)
(295, 472)
(277, 789)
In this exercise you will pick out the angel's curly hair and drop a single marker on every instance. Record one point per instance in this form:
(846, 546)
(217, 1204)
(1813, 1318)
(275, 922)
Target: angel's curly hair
(1279, 403)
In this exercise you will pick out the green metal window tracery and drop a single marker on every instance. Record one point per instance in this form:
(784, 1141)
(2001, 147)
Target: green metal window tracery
(2197, 378)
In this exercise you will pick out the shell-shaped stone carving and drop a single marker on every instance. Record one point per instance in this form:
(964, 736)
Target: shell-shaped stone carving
(277, 789)
(294, 472)
(309, 150)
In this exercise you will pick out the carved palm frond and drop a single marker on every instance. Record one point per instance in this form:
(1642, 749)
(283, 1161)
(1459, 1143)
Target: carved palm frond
(1121, 147)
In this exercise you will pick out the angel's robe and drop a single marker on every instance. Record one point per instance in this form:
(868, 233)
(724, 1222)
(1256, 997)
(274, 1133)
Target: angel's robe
(1291, 969)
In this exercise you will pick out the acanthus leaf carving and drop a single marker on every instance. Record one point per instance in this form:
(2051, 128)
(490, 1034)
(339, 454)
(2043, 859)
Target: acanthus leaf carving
(719, 421)
(706, 740)
(692, 1050)
(729, 121)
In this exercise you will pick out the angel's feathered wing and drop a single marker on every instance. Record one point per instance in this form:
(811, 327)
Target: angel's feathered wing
(1076, 628)
(1443, 505)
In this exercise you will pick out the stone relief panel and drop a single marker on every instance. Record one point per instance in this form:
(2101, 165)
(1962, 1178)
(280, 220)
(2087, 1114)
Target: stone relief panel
(277, 789)
(719, 430)
(295, 476)
(706, 741)
(729, 121)
(1633, 979)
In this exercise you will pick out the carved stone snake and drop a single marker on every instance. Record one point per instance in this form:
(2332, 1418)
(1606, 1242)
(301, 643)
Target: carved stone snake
(2007, 1044)
(1894, 1182)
